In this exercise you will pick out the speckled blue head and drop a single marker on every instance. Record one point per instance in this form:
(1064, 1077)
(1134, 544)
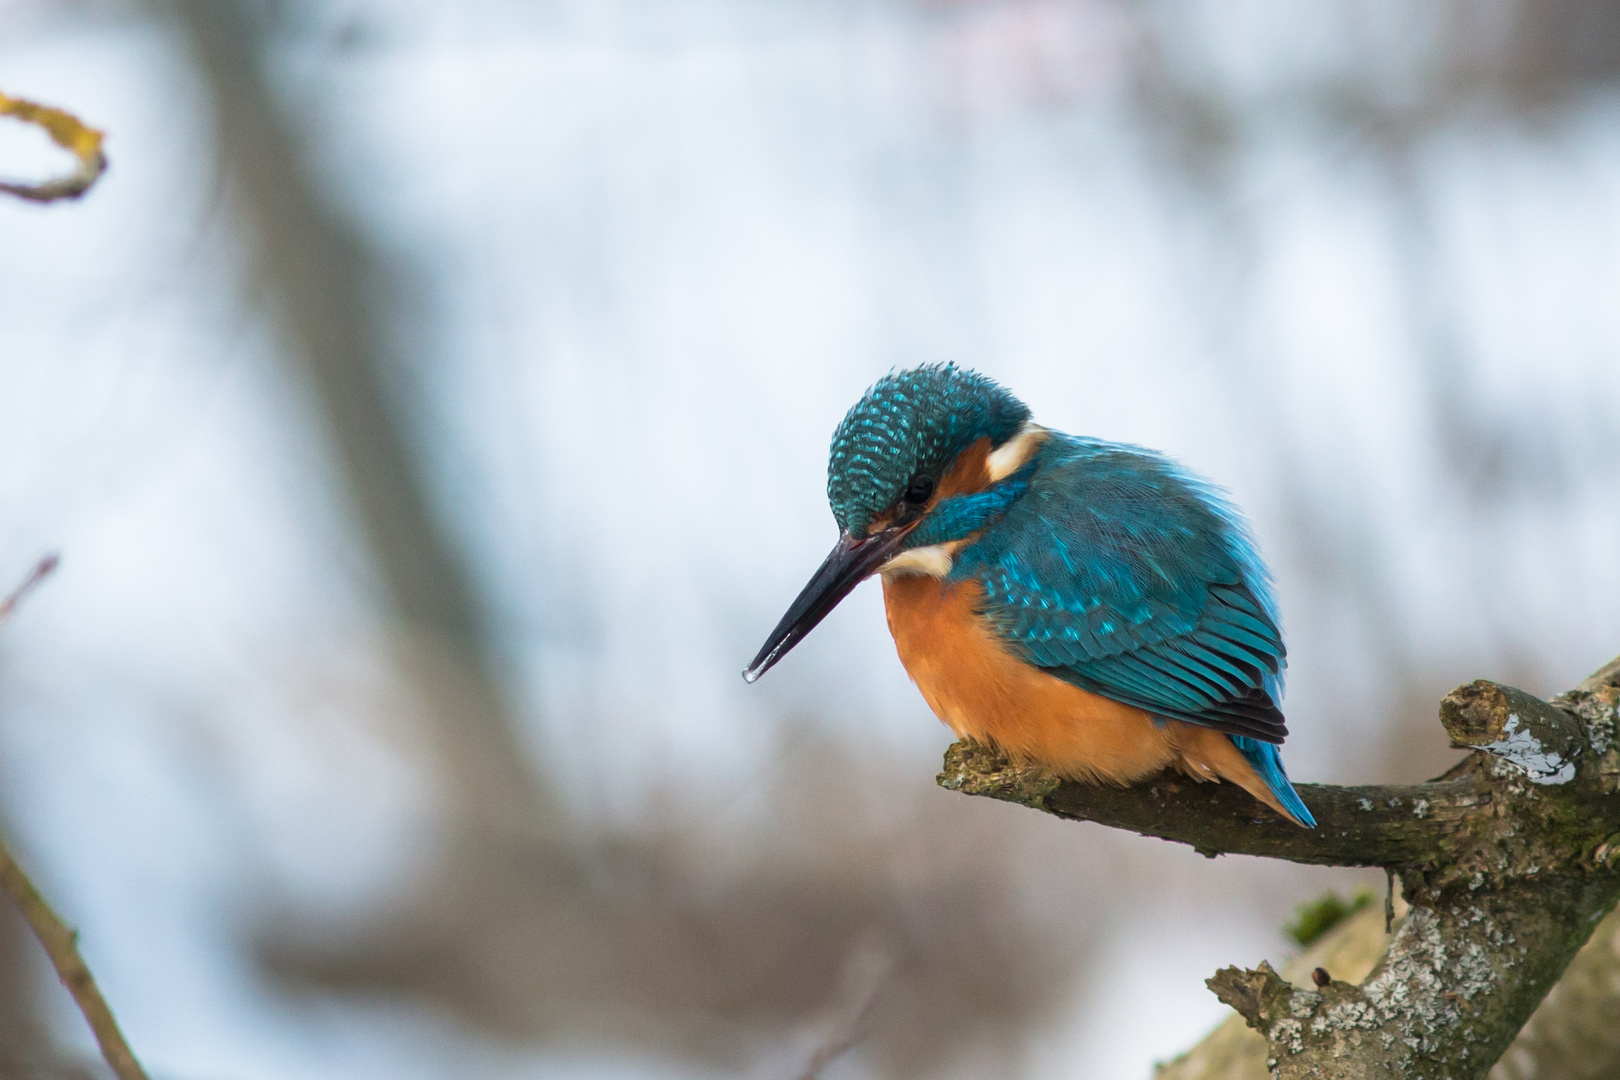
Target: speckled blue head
(912, 424)
(888, 457)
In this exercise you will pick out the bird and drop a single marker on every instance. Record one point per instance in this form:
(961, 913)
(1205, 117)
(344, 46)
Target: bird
(1087, 607)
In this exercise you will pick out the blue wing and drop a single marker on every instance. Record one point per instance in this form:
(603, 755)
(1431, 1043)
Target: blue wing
(1126, 577)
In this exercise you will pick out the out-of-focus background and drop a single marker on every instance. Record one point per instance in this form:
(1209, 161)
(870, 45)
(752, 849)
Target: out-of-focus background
(431, 408)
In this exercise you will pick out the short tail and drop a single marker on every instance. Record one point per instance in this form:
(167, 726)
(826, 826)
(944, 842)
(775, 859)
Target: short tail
(1267, 761)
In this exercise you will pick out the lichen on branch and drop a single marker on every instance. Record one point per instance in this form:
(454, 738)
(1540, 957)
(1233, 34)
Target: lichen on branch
(1507, 862)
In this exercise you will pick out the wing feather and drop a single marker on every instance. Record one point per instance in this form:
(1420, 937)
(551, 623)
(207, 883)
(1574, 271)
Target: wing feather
(1130, 579)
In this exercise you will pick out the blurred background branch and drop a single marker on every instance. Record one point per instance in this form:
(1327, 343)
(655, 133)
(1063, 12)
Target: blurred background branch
(326, 289)
(496, 928)
(59, 940)
(72, 135)
(61, 944)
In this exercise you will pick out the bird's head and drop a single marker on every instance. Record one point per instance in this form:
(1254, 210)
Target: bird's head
(922, 460)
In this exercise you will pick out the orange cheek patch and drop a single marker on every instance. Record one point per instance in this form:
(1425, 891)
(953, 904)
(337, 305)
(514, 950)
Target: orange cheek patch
(970, 472)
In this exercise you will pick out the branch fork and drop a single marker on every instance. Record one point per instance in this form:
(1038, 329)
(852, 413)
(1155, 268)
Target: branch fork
(1508, 861)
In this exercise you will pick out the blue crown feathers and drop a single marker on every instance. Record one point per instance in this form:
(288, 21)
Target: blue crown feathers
(912, 423)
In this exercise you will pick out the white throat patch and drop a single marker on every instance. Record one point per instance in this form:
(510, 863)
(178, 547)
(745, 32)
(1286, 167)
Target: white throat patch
(932, 561)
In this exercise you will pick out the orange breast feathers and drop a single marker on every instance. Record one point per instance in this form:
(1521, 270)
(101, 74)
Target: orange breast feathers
(982, 691)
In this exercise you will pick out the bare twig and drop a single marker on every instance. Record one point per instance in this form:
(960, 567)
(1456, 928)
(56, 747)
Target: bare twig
(866, 973)
(60, 940)
(72, 135)
(61, 943)
(40, 572)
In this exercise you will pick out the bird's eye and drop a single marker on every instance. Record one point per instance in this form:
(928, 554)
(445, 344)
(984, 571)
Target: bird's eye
(919, 491)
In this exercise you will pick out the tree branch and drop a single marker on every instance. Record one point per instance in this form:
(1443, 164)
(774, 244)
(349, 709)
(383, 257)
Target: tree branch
(61, 942)
(72, 135)
(1233, 1051)
(1507, 861)
(328, 287)
(1376, 825)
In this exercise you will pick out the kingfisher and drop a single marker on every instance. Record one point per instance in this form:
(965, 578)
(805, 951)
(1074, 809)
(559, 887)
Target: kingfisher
(1087, 607)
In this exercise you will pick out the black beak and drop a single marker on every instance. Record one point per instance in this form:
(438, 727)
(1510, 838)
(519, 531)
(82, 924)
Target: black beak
(851, 562)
